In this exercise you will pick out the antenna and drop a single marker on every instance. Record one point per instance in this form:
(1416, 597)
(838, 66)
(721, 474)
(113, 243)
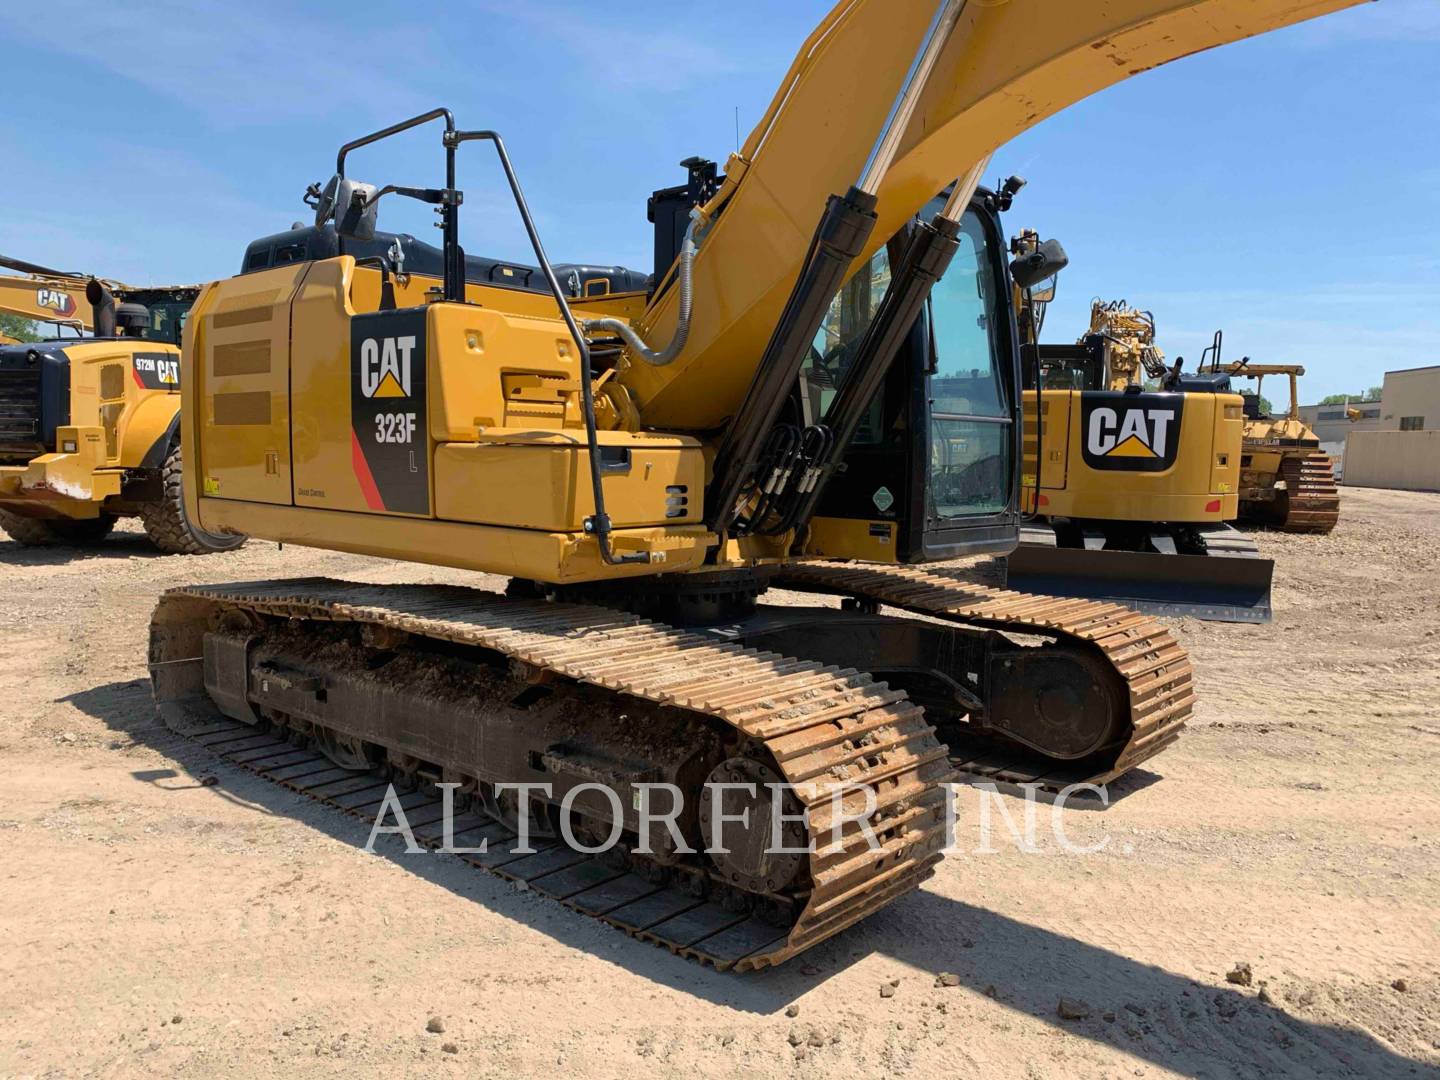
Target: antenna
(737, 129)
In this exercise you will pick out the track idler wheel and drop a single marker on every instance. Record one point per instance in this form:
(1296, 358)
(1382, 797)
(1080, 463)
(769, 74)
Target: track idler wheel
(747, 855)
(1057, 699)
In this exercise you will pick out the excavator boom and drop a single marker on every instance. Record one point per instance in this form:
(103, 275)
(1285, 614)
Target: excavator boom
(59, 296)
(45, 297)
(1005, 67)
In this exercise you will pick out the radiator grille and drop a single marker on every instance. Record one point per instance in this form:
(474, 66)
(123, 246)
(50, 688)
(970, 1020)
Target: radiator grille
(20, 429)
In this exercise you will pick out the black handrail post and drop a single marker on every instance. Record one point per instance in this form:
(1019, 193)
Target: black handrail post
(454, 288)
(599, 524)
(450, 225)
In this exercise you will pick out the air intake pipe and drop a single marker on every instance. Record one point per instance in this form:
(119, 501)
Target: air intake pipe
(684, 277)
(102, 303)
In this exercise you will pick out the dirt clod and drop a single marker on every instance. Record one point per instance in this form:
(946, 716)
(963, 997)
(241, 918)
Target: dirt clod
(1073, 1009)
(947, 978)
(435, 1025)
(792, 1010)
(1240, 974)
(887, 991)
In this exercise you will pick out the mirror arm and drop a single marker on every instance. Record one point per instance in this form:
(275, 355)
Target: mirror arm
(434, 196)
(395, 129)
(454, 270)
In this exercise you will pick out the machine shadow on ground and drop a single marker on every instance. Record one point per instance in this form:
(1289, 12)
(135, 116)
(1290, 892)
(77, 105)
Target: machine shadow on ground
(1136, 780)
(119, 546)
(1157, 1015)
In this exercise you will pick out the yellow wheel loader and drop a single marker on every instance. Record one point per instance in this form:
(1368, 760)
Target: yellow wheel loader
(90, 426)
(1286, 482)
(1138, 477)
(823, 366)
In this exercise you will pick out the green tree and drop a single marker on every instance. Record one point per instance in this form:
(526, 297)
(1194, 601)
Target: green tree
(1265, 405)
(19, 329)
(1373, 394)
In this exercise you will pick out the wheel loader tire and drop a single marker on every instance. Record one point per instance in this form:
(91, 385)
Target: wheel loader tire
(168, 527)
(48, 532)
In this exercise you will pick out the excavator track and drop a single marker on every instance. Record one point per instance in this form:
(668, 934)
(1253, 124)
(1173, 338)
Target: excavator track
(1154, 668)
(1312, 497)
(824, 730)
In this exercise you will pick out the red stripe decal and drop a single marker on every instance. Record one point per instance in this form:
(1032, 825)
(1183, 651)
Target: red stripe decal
(138, 381)
(363, 474)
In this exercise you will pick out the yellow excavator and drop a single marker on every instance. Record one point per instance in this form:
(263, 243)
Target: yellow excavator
(1140, 474)
(642, 464)
(1286, 482)
(90, 425)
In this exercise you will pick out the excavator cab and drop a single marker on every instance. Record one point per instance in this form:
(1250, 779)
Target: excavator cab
(933, 470)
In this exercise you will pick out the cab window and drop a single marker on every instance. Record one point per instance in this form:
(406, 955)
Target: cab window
(970, 424)
(833, 350)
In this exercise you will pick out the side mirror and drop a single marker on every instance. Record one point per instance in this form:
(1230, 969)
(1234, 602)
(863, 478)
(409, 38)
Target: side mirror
(355, 210)
(324, 200)
(1030, 269)
(1045, 291)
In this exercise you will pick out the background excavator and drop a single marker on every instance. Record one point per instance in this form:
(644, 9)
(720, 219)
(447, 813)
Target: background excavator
(643, 464)
(1140, 469)
(1286, 482)
(90, 426)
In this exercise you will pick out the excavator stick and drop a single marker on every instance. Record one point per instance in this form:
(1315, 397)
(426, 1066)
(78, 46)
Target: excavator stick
(1230, 582)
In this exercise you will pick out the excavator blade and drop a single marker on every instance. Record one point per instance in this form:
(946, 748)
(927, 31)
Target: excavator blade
(1216, 587)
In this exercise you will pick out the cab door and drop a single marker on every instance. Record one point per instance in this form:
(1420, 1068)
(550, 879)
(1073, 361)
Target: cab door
(969, 403)
(933, 472)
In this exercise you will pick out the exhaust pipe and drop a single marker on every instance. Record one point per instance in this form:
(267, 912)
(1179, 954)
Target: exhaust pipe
(103, 305)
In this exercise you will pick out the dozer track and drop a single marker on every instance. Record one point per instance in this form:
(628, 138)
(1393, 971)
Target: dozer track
(1312, 497)
(819, 728)
(1154, 668)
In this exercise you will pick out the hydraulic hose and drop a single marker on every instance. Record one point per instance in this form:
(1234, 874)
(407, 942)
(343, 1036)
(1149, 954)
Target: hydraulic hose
(682, 326)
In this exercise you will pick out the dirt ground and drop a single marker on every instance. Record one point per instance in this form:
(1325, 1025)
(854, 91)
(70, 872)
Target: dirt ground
(151, 923)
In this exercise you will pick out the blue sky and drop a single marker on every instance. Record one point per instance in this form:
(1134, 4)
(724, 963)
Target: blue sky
(1284, 188)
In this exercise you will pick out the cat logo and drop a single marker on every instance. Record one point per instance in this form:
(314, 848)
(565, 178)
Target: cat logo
(389, 417)
(385, 366)
(1133, 432)
(157, 371)
(57, 300)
